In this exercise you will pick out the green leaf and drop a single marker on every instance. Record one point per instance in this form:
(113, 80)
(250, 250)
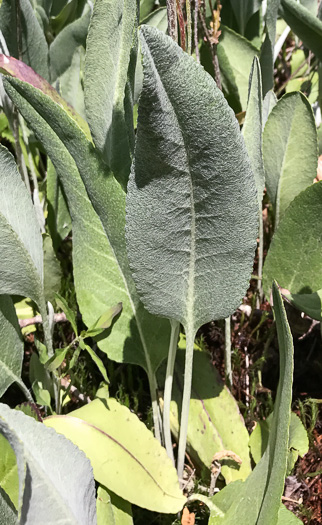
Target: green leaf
(70, 315)
(9, 479)
(310, 303)
(183, 186)
(236, 55)
(125, 456)
(252, 129)
(269, 103)
(71, 82)
(52, 270)
(95, 358)
(7, 510)
(298, 443)
(33, 45)
(267, 49)
(11, 345)
(295, 253)
(146, 7)
(67, 41)
(109, 81)
(243, 10)
(21, 264)
(56, 360)
(304, 24)
(289, 168)
(111, 509)
(259, 497)
(45, 495)
(104, 321)
(137, 337)
(215, 423)
(58, 219)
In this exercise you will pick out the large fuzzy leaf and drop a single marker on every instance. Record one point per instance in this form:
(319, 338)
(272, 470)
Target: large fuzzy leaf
(109, 81)
(215, 423)
(11, 345)
(191, 222)
(139, 338)
(55, 478)
(33, 46)
(289, 169)
(259, 498)
(295, 253)
(116, 442)
(304, 24)
(7, 511)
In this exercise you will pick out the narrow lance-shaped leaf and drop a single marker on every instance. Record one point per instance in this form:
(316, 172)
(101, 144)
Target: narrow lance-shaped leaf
(21, 261)
(267, 50)
(116, 442)
(142, 339)
(50, 469)
(109, 81)
(191, 222)
(258, 499)
(289, 168)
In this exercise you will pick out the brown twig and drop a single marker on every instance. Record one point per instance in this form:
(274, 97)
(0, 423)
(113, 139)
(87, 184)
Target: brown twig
(172, 19)
(58, 318)
(182, 27)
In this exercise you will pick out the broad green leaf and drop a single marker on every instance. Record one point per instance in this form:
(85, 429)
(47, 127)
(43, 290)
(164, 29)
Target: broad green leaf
(146, 7)
(33, 46)
(58, 219)
(252, 129)
(236, 55)
(310, 303)
(9, 479)
(21, 263)
(259, 497)
(137, 337)
(111, 509)
(304, 24)
(125, 456)
(109, 81)
(45, 495)
(267, 49)
(52, 270)
(289, 169)
(298, 442)
(64, 45)
(185, 202)
(295, 253)
(11, 345)
(215, 423)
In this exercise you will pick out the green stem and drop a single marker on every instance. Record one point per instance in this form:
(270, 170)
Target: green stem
(175, 328)
(189, 27)
(228, 373)
(155, 406)
(190, 338)
(260, 260)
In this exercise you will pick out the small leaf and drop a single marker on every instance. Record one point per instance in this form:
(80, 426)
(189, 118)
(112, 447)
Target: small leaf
(46, 495)
(95, 358)
(310, 303)
(58, 219)
(52, 270)
(11, 345)
(125, 456)
(9, 479)
(288, 168)
(70, 315)
(104, 321)
(56, 360)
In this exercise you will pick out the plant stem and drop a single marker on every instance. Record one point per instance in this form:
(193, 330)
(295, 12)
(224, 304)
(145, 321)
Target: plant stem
(190, 338)
(260, 260)
(189, 27)
(155, 406)
(175, 328)
(196, 31)
(25, 390)
(182, 28)
(228, 373)
(172, 19)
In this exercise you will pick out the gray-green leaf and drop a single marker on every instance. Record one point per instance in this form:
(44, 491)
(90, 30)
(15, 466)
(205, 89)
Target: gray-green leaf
(289, 150)
(109, 81)
(191, 205)
(55, 477)
(111, 509)
(11, 345)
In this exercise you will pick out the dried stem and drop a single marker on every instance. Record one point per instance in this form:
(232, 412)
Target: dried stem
(196, 31)
(189, 27)
(172, 19)
(182, 27)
